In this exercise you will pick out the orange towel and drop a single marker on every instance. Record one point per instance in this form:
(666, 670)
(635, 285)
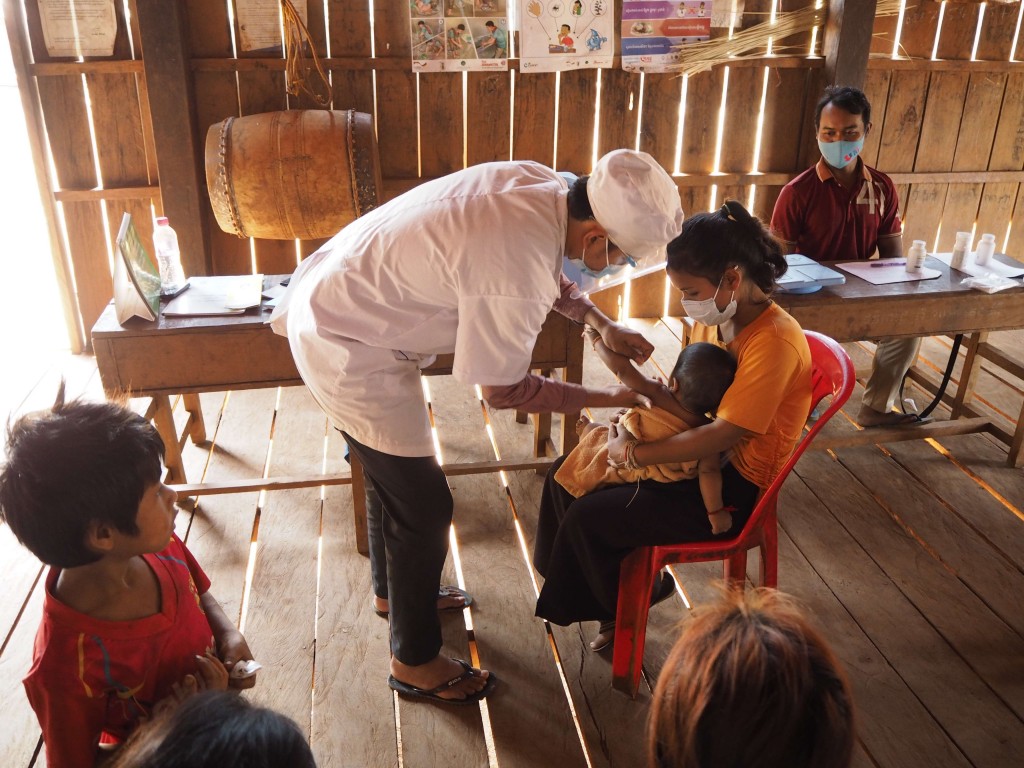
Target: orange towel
(586, 467)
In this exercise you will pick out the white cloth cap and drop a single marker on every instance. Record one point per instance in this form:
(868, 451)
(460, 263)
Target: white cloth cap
(637, 203)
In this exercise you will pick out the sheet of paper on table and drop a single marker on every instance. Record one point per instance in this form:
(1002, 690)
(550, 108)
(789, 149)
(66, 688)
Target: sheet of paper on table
(885, 271)
(1000, 264)
(220, 295)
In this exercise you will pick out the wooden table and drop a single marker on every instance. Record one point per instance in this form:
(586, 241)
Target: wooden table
(859, 310)
(189, 355)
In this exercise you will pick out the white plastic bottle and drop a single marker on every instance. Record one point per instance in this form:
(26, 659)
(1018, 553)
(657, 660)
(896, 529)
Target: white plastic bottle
(168, 257)
(915, 257)
(986, 247)
(961, 248)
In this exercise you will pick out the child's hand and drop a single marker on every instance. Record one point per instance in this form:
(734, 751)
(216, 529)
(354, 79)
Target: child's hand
(233, 648)
(212, 674)
(721, 521)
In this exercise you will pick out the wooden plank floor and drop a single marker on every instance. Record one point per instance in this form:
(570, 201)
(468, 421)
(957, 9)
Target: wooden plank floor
(908, 555)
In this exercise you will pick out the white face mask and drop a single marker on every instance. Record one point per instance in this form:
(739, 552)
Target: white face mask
(707, 312)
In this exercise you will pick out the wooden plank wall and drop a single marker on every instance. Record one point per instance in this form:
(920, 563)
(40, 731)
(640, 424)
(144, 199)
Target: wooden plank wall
(960, 121)
(950, 131)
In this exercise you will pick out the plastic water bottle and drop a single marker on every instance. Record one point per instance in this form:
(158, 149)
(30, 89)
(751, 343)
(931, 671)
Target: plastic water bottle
(961, 248)
(986, 247)
(915, 257)
(168, 257)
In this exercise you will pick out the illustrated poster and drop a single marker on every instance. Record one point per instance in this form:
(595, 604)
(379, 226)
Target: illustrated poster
(557, 35)
(652, 29)
(459, 35)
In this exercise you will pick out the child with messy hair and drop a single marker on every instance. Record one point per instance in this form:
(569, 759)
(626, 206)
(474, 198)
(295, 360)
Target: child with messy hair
(699, 379)
(128, 621)
(751, 682)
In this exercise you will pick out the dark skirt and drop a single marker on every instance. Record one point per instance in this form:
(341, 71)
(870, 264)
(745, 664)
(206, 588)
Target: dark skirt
(581, 542)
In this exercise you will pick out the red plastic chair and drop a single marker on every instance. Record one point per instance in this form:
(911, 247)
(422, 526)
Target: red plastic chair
(832, 374)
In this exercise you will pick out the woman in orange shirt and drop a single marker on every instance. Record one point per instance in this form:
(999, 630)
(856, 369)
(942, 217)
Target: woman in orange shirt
(725, 264)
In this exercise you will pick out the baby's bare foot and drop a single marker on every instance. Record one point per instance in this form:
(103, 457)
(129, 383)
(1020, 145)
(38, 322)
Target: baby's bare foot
(582, 423)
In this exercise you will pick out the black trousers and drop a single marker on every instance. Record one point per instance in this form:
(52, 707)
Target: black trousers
(409, 529)
(581, 542)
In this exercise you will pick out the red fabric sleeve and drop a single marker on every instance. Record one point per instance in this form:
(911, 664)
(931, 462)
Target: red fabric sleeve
(572, 303)
(786, 224)
(537, 394)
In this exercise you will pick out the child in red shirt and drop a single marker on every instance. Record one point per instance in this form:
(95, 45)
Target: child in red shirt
(128, 621)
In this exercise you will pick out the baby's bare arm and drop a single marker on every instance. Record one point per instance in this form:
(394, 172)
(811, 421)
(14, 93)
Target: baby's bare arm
(709, 477)
(628, 373)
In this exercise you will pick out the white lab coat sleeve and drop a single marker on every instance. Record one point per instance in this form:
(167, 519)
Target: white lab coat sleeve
(495, 338)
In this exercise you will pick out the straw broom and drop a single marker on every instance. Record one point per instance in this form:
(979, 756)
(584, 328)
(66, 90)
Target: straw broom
(752, 43)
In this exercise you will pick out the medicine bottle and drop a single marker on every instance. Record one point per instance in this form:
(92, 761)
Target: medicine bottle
(961, 248)
(915, 257)
(168, 258)
(986, 247)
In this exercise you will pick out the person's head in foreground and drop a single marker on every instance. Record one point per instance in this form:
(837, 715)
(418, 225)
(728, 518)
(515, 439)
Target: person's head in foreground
(751, 684)
(725, 263)
(80, 476)
(215, 729)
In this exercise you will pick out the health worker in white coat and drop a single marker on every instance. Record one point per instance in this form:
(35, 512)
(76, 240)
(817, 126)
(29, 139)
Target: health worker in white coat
(468, 264)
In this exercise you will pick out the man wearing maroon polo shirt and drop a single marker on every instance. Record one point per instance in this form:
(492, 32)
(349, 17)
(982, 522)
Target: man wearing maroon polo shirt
(842, 210)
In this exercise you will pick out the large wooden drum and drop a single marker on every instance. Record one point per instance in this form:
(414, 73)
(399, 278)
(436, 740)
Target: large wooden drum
(302, 173)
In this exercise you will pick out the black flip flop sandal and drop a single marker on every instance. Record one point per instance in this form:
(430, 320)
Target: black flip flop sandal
(412, 692)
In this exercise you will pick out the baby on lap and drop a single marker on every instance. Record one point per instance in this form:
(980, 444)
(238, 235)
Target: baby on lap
(702, 374)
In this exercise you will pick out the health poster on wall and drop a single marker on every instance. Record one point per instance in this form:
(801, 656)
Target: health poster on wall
(459, 35)
(557, 35)
(652, 30)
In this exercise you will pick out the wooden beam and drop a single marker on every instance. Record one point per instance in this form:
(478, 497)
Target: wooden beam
(847, 41)
(345, 478)
(944, 65)
(958, 177)
(119, 67)
(180, 153)
(394, 186)
(107, 193)
(399, 64)
(899, 434)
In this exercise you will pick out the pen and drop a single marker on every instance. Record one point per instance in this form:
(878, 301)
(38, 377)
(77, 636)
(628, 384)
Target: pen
(888, 264)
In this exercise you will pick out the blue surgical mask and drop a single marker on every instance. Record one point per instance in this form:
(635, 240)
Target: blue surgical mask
(609, 269)
(840, 154)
